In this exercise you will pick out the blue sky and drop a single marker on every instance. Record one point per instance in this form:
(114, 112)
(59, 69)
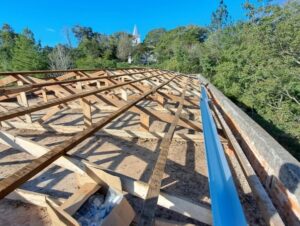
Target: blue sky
(48, 18)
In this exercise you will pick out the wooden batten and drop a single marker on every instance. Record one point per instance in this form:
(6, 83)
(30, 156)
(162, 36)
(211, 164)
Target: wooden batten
(145, 122)
(87, 112)
(72, 204)
(22, 99)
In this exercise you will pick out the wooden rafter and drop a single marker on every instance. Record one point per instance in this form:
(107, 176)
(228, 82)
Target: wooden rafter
(149, 207)
(10, 183)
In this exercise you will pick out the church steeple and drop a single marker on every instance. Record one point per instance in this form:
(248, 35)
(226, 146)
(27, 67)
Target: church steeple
(136, 36)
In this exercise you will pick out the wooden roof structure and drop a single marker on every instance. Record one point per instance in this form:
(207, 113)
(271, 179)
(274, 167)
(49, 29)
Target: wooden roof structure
(176, 102)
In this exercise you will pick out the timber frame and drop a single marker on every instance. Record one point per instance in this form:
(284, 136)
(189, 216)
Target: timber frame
(121, 90)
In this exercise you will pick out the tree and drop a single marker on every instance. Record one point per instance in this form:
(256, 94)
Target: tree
(7, 42)
(219, 19)
(26, 54)
(255, 63)
(83, 32)
(60, 58)
(124, 48)
(153, 37)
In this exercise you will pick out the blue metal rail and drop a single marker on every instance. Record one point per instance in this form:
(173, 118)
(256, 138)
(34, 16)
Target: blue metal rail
(226, 206)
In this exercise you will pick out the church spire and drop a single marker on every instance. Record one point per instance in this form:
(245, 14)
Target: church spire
(136, 36)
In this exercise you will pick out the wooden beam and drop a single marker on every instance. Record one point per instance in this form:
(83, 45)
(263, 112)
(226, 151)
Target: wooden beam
(56, 71)
(149, 207)
(50, 103)
(75, 164)
(113, 132)
(200, 212)
(145, 122)
(124, 94)
(58, 216)
(73, 203)
(7, 80)
(265, 204)
(87, 113)
(37, 150)
(44, 94)
(22, 99)
(162, 116)
(10, 183)
(30, 197)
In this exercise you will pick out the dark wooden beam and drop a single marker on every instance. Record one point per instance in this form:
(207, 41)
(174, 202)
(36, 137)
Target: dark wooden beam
(12, 182)
(149, 207)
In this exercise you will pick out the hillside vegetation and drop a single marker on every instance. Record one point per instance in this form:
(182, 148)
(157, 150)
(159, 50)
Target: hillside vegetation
(255, 62)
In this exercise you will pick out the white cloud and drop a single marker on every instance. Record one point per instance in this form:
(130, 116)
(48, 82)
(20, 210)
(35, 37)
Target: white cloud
(49, 29)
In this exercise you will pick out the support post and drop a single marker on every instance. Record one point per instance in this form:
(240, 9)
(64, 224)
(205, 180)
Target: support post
(79, 84)
(86, 106)
(124, 95)
(87, 113)
(44, 94)
(22, 100)
(145, 122)
(160, 101)
(98, 84)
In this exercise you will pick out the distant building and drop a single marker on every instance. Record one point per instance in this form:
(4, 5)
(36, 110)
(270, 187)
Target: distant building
(136, 39)
(136, 36)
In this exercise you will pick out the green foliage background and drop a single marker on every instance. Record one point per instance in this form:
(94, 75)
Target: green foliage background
(255, 62)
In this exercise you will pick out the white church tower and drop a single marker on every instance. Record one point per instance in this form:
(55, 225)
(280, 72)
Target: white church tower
(136, 36)
(135, 41)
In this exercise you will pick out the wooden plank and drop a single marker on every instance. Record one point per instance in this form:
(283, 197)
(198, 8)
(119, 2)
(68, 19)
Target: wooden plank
(265, 204)
(3, 109)
(124, 94)
(112, 132)
(272, 163)
(44, 94)
(149, 207)
(145, 122)
(52, 111)
(161, 101)
(162, 116)
(200, 212)
(54, 102)
(13, 181)
(31, 197)
(7, 80)
(29, 87)
(22, 100)
(57, 71)
(58, 216)
(37, 150)
(73, 203)
(87, 113)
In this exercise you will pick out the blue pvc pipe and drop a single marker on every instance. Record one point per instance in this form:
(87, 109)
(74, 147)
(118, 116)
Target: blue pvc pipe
(226, 206)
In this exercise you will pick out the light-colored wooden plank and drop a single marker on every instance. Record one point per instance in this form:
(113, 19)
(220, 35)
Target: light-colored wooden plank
(58, 216)
(149, 207)
(24, 102)
(73, 203)
(54, 102)
(30, 197)
(11, 182)
(114, 132)
(145, 122)
(44, 94)
(200, 212)
(87, 112)
(124, 94)
(37, 150)
(7, 80)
